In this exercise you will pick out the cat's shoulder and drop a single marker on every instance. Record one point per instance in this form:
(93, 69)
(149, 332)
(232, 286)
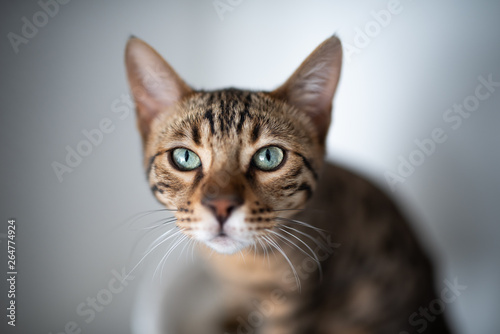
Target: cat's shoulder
(343, 190)
(335, 178)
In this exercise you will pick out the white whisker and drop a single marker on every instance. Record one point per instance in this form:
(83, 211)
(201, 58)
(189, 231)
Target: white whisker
(163, 223)
(264, 249)
(135, 217)
(147, 253)
(242, 256)
(315, 257)
(183, 248)
(319, 230)
(164, 234)
(193, 245)
(161, 264)
(273, 243)
(317, 242)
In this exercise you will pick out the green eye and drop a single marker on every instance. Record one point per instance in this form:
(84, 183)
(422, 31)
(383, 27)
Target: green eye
(185, 159)
(268, 158)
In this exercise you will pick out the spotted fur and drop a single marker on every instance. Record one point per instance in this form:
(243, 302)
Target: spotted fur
(371, 284)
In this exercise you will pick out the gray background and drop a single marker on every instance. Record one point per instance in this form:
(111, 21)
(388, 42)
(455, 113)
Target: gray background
(394, 91)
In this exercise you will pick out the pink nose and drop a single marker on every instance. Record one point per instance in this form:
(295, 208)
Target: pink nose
(222, 207)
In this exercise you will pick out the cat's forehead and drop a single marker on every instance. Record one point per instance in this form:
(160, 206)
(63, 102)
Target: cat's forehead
(225, 111)
(229, 118)
(230, 109)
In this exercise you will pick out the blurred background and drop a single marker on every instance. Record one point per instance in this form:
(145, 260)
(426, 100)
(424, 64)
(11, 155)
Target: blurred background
(410, 66)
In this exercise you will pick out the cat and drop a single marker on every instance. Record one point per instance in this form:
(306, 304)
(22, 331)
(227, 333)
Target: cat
(301, 245)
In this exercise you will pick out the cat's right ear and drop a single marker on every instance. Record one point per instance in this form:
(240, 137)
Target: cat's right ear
(312, 86)
(153, 82)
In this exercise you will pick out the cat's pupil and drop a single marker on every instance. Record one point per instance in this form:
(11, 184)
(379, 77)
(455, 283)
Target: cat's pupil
(268, 155)
(186, 155)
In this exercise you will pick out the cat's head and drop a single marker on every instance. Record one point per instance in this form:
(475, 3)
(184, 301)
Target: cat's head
(232, 162)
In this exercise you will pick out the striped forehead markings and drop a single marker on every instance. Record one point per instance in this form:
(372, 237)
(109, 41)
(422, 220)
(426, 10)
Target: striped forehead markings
(195, 132)
(227, 110)
(210, 117)
(245, 113)
(255, 133)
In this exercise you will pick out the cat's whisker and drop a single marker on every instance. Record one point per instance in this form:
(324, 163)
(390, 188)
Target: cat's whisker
(315, 240)
(163, 223)
(194, 242)
(242, 256)
(300, 223)
(264, 249)
(273, 243)
(134, 218)
(255, 250)
(153, 244)
(280, 210)
(147, 253)
(141, 237)
(211, 253)
(142, 214)
(293, 221)
(164, 237)
(182, 250)
(287, 240)
(315, 257)
(177, 243)
(162, 262)
(300, 210)
(272, 251)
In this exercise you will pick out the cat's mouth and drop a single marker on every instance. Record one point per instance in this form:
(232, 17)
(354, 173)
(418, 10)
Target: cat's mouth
(228, 237)
(221, 238)
(226, 244)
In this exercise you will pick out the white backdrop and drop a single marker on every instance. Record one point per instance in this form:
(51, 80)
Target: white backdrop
(401, 74)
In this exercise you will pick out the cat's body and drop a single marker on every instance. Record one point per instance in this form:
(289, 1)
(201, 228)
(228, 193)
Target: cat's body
(374, 275)
(245, 172)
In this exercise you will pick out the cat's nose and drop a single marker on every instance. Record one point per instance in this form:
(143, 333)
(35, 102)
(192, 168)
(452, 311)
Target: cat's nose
(223, 206)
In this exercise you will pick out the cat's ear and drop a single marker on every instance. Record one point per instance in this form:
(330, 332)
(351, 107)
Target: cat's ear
(153, 82)
(312, 86)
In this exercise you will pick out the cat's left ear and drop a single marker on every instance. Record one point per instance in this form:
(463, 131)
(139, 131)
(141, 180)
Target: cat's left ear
(154, 83)
(312, 86)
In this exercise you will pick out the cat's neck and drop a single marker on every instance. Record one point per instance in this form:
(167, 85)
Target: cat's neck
(259, 269)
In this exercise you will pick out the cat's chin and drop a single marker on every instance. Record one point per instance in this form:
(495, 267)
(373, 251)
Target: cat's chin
(225, 244)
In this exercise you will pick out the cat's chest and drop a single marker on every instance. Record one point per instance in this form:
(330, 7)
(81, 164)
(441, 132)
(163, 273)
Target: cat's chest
(249, 270)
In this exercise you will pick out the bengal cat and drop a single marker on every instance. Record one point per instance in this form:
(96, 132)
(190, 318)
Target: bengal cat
(301, 245)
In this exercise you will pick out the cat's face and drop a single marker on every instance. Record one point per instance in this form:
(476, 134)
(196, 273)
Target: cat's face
(232, 163)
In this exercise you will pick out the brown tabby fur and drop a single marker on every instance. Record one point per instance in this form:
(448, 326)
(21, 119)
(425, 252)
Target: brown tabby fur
(371, 282)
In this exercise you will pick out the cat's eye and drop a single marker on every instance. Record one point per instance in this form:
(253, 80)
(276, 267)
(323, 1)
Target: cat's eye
(185, 159)
(268, 158)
